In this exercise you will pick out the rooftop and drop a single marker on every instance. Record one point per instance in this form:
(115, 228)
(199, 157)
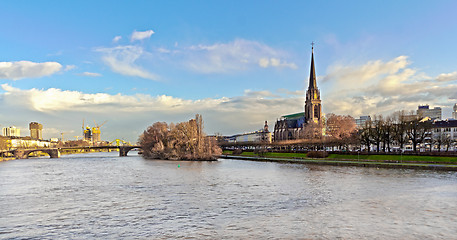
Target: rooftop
(294, 116)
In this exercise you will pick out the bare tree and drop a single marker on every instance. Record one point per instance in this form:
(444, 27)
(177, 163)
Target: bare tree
(312, 131)
(377, 131)
(184, 140)
(388, 134)
(441, 139)
(399, 120)
(417, 130)
(340, 128)
(447, 141)
(365, 135)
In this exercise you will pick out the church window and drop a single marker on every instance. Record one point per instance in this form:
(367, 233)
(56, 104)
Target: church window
(316, 111)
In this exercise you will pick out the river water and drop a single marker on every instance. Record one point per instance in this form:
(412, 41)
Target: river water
(103, 196)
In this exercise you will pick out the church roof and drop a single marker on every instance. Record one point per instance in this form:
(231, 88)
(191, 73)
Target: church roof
(445, 123)
(294, 116)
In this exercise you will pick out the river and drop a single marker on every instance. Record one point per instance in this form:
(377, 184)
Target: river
(104, 196)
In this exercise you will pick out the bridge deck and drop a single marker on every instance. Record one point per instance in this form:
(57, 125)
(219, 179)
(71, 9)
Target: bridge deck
(55, 152)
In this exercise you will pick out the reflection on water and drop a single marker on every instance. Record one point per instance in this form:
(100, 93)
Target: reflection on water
(104, 196)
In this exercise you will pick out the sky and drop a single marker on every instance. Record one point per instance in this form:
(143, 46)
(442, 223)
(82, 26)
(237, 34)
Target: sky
(237, 63)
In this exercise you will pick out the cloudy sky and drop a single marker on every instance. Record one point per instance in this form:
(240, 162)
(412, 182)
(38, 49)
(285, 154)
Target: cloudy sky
(238, 63)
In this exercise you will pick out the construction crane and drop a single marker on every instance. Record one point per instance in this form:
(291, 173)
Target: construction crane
(96, 132)
(61, 136)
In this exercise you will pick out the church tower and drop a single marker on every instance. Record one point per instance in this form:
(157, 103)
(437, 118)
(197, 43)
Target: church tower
(313, 109)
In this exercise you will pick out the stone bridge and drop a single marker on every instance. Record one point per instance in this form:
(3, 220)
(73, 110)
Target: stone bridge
(24, 153)
(55, 152)
(123, 150)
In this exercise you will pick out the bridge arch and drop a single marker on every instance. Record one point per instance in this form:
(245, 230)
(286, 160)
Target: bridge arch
(24, 154)
(124, 150)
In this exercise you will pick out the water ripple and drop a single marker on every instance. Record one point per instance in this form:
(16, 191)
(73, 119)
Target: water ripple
(107, 197)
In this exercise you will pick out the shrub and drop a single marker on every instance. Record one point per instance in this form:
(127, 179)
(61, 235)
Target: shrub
(237, 151)
(317, 154)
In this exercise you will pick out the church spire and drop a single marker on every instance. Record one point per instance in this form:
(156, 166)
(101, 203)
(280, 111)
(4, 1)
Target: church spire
(313, 108)
(312, 72)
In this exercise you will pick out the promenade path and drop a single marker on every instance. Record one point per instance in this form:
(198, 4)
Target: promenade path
(348, 162)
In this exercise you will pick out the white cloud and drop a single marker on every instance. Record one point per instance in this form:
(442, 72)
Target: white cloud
(379, 87)
(291, 93)
(163, 50)
(129, 115)
(53, 99)
(117, 38)
(27, 69)
(368, 72)
(58, 53)
(447, 77)
(140, 35)
(238, 55)
(122, 59)
(275, 62)
(90, 74)
(69, 67)
(264, 62)
(259, 94)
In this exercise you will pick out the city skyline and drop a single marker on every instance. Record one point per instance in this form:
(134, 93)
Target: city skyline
(236, 63)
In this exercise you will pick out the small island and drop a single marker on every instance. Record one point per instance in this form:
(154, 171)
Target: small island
(182, 141)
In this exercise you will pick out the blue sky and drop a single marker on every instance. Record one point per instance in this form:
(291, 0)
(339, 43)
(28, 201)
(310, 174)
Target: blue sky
(238, 63)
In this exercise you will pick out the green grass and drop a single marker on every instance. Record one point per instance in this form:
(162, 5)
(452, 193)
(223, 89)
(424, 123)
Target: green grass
(287, 155)
(248, 154)
(379, 158)
(274, 154)
(399, 158)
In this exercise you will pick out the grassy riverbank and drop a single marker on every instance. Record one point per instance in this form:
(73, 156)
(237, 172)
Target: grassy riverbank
(365, 158)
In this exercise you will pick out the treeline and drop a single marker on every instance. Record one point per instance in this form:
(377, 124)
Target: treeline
(380, 134)
(182, 141)
(334, 131)
(400, 129)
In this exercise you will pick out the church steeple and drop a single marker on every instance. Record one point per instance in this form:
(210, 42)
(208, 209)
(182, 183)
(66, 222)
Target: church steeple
(313, 109)
(312, 72)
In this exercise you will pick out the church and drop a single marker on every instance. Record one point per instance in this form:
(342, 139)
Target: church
(292, 126)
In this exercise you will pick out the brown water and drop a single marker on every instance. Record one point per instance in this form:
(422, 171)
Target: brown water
(104, 196)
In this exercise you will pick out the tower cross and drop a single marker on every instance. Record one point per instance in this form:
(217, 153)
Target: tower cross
(312, 44)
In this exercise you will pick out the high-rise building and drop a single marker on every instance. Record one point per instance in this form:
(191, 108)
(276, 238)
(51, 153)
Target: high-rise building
(360, 122)
(87, 134)
(36, 130)
(425, 111)
(11, 131)
(454, 113)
